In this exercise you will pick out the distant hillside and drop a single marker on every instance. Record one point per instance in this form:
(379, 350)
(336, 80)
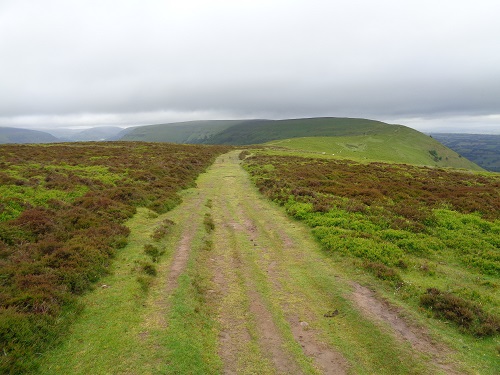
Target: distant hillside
(98, 133)
(268, 130)
(354, 137)
(482, 149)
(246, 132)
(15, 135)
(401, 145)
(181, 132)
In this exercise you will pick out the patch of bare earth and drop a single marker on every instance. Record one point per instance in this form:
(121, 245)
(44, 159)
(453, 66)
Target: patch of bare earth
(329, 361)
(234, 334)
(382, 311)
(270, 337)
(176, 267)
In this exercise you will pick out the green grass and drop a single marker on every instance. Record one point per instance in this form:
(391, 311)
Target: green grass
(402, 145)
(106, 336)
(348, 138)
(123, 324)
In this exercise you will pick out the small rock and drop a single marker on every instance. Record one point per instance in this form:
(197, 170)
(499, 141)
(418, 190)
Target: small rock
(304, 325)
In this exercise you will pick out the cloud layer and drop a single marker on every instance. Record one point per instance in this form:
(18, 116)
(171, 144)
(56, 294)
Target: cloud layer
(135, 62)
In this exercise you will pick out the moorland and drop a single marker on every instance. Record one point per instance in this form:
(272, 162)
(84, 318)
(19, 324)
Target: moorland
(345, 247)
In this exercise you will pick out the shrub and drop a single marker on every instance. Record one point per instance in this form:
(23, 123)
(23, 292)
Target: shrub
(145, 282)
(468, 316)
(209, 223)
(383, 272)
(162, 230)
(153, 252)
(149, 268)
(243, 154)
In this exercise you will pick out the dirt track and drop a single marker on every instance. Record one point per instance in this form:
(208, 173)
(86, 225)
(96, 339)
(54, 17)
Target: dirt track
(270, 322)
(280, 305)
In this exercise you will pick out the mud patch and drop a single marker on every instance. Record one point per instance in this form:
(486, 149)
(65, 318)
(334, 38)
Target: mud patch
(382, 311)
(330, 362)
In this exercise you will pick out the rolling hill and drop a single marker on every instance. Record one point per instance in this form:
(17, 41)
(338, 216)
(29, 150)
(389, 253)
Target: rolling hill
(403, 145)
(15, 135)
(197, 132)
(354, 138)
(247, 132)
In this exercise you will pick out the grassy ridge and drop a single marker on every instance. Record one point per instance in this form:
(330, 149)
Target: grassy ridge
(245, 132)
(353, 138)
(62, 209)
(268, 130)
(401, 145)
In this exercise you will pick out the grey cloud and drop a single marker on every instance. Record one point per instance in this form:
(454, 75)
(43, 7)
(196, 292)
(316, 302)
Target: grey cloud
(113, 62)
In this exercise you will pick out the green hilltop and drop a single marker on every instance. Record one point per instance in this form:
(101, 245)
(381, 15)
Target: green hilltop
(354, 138)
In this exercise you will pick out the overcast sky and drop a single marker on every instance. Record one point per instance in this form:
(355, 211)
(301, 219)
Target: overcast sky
(432, 65)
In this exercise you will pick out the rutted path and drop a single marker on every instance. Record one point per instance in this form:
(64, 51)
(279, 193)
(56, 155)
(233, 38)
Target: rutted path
(263, 299)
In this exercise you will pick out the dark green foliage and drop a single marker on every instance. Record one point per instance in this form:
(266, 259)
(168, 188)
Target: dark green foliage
(162, 230)
(153, 252)
(208, 221)
(149, 268)
(468, 316)
(383, 272)
(145, 282)
(435, 155)
(62, 210)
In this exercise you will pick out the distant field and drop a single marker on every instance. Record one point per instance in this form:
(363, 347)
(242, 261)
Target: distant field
(482, 149)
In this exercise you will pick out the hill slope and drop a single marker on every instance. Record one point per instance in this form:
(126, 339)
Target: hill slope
(246, 132)
(15, 135)
(361, 138)
(180, 132)
(397, 145)
(267, 130)
(482, 149)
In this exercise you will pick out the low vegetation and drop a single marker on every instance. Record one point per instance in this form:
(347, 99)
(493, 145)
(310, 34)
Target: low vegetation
(430, 235)
(62, 209)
